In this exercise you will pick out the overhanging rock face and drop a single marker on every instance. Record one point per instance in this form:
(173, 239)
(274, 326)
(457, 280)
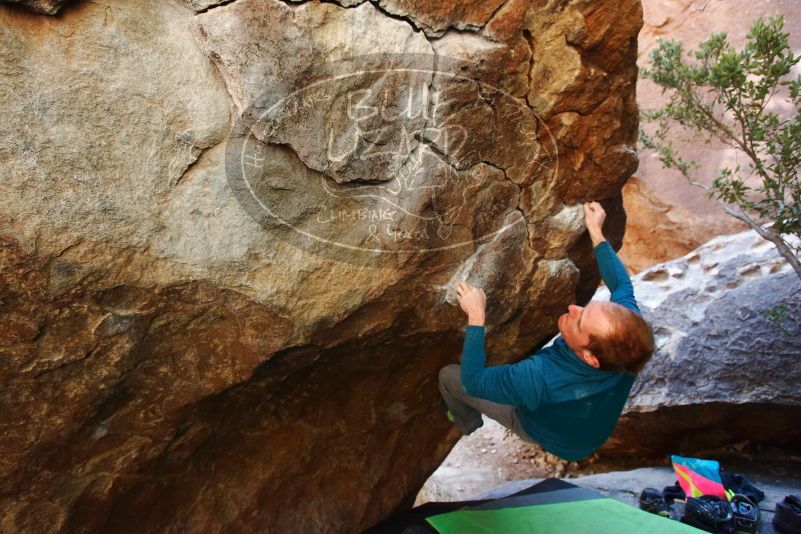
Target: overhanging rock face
(229, 235)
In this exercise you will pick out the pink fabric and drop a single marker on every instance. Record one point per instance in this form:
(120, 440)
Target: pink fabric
(694, 485)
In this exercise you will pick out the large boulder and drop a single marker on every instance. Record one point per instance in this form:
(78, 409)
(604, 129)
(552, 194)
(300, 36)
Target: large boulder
(727, 323)
(188, 347)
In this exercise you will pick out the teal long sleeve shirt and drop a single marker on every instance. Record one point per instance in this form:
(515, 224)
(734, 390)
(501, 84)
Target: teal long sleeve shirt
(565, 404)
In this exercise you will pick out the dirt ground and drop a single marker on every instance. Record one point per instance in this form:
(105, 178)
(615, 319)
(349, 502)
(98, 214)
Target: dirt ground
(493, 456)
(487, 458)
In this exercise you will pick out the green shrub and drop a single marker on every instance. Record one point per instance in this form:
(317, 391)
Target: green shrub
(722, 95)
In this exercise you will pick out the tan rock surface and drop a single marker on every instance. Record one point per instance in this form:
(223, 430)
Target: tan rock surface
(172, 360)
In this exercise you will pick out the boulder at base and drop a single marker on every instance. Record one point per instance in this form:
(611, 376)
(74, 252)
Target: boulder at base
(727, 323)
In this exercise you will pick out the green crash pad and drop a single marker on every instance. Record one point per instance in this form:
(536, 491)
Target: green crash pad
(595, 516)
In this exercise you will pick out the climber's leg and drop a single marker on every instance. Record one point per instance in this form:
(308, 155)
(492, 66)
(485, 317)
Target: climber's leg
(466, 410)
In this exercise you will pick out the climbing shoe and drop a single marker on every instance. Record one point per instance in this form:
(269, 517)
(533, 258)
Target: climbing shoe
(736, 483)
(788, 515)
(673, 493)
(709, 513)
(746, 515)
(651, 501)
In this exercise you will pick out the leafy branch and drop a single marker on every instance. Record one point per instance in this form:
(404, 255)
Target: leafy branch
(723, 96)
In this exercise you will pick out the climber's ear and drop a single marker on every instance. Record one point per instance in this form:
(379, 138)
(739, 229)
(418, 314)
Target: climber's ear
(590, 358)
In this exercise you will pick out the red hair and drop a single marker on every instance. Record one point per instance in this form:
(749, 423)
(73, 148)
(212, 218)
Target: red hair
(629, 344)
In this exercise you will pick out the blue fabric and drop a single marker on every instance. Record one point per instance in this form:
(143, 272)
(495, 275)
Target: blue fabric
(565, 404)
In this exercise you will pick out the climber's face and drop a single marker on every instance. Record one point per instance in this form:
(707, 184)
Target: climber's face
(579, 323)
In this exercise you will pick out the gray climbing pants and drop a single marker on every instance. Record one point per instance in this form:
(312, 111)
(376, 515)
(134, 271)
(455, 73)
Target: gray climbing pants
(467, 409)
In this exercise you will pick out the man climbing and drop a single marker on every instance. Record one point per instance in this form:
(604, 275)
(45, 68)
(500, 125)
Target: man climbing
(568, 396)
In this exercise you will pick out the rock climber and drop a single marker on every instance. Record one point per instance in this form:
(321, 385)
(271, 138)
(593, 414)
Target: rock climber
(568, 396)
